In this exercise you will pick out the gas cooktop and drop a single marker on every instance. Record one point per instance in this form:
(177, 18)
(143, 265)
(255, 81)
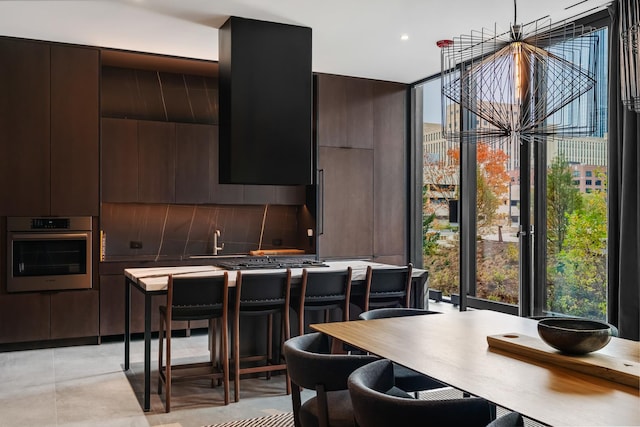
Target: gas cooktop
(265, 262)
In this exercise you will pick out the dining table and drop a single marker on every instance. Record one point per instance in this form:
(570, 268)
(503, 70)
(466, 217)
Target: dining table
(152, 282)
(454, 349)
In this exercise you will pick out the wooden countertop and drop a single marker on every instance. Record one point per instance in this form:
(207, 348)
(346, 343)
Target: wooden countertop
(154, 279)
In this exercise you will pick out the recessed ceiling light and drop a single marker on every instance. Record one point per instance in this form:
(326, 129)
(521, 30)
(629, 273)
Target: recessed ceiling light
(404, 37)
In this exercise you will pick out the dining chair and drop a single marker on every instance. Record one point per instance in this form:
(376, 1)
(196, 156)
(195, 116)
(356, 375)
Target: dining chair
(405, 378)
(387, 287)
(374, 406)
(323, 291)
(194, 298)
(312, 366)
(261, 294)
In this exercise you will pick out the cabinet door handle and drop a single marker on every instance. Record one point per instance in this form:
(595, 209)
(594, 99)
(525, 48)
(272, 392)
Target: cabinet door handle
(321, 201)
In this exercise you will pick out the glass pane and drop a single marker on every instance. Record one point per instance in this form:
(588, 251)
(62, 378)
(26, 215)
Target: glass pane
(497, 220)
(49, 257)
(440, 244)
(577, 212)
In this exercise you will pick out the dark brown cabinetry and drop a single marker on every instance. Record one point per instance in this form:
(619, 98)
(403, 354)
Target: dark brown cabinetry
(44, 316)
(119, 160)
(74, 314)
(156, 162)
(193, 162)
(48, 129)
(361, 161)
(24, 127)
(164, 162)
(74, 131)
(347, 187)
(24, 317)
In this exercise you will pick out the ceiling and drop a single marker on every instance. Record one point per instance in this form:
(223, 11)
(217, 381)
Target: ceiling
(350, 37)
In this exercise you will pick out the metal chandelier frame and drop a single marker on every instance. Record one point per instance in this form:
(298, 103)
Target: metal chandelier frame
(533, 82)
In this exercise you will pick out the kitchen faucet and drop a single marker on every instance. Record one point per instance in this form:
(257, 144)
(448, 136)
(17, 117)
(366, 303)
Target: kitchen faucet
(216, 234)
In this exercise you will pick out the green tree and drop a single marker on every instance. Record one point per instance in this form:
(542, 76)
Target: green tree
(486, 200)
(581, 283)
(562, 199)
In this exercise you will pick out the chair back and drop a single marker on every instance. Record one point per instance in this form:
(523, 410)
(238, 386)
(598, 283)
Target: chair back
(262, 292)
(388, 286)
(310, 362)
(383, 313)
(311, 366)
(193, 298)
(372, 407)
(326, 288)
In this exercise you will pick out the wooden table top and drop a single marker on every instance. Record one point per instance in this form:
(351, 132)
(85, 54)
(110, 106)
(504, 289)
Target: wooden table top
(453, 348)
(154, 279)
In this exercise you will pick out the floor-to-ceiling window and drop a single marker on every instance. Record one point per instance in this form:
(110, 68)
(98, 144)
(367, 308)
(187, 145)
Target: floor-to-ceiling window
(565, 210)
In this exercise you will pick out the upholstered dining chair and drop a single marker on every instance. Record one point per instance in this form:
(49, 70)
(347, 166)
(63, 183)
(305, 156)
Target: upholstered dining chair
(194, 298)
(266, 295)
(374, 406)
(324, 291)
(387, 287)
(312, 366)
(405, 378)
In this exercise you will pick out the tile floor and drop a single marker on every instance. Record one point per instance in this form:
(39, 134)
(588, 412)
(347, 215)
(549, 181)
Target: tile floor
(86, 386)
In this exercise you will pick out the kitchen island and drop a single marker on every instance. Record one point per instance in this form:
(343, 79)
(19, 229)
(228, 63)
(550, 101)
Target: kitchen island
(153, 281)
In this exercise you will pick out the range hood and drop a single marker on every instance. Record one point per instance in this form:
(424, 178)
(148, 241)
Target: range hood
(265, 101)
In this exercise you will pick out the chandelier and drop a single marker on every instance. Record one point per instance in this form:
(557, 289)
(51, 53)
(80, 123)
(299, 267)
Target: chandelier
(532, 82)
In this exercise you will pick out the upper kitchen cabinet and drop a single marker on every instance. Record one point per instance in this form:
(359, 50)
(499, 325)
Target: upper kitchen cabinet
(48, 129)
(193, 162)
(24, 127)
(345, 112)
(265, 102)
(156, 162)
(119, 160)
(75, 173)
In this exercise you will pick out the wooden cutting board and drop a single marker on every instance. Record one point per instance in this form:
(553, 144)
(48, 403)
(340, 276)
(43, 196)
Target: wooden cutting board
(600, 365)
(276, 252)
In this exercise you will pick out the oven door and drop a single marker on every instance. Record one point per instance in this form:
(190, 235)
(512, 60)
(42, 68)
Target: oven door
(48, 261)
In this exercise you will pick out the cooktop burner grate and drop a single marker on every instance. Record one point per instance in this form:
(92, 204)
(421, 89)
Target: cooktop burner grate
(268, 262)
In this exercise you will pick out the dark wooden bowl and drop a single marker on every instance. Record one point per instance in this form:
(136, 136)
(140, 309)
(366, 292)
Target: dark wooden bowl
(574, 336)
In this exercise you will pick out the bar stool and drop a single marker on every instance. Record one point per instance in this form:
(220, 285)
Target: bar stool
(194, 298)
(324, 290)
(261, 294)
(387, 287)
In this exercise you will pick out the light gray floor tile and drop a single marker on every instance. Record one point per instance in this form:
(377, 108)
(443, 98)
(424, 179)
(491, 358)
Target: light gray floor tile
(86, 386)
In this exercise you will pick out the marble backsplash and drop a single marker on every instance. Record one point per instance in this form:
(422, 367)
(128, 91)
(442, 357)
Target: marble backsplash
(183, 230)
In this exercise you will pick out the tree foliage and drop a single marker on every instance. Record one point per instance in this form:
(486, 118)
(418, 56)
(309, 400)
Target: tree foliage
(563, 198)
(580, 283)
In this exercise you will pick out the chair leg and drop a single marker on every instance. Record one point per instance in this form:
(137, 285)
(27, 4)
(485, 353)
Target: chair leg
(160, 346)
(224, 359)
(167, 397)
(236, 359)
(269, 342)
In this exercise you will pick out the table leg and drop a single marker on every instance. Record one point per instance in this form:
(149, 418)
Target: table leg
(147, 351)
(127, 322)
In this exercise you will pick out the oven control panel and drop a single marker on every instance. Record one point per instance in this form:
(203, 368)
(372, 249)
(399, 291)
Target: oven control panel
(50, 224)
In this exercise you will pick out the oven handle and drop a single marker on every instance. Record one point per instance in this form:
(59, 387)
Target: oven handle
(48, 236)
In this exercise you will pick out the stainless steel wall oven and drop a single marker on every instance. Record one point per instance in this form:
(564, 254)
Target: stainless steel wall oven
(48, 253)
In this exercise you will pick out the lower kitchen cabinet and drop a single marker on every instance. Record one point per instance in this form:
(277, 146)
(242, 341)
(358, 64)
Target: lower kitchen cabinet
(24, 317)
(74, 314)
(46, 316)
